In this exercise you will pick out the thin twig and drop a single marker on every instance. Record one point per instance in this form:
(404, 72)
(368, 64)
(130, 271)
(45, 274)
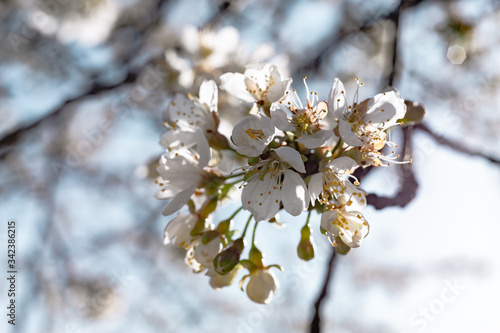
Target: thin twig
(316, 322)
(454, 145)
(408, 182)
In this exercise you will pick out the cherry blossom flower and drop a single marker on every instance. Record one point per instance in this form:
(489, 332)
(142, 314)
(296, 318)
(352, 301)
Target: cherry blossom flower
(262, 84)
(181, 173)
(332, 187)
(252, 135)
(271, 182)
(350, 226)
(178, 232)
(365, 124)
(262, 286)
(211, 49)
(191, 114)
(205, 253)
(308, 123)
(218, 281)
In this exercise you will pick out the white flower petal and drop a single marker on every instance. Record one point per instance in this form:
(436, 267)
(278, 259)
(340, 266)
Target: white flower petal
(315, 186)
(203, 149)
(337, 99)
(209, 94)
(280, 119)
(178, 139)
(345, 131)
(178, 230)
(292, 157)
(261, 197)
(252, 135)
(393, 108)
(342, 164)
(328, 220)
(178, 201)
(234, 83)
(294, 194)
(218, 281)
(190, 39)
(316, 139)
(277, 91)
(262, 286)
(205, 253)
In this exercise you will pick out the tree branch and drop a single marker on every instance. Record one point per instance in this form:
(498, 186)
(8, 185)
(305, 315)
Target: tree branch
(408, 182)
(9, 140)
(454, 145)
(316, 321)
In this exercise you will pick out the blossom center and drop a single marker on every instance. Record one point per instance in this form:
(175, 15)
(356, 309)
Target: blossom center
(255, 134)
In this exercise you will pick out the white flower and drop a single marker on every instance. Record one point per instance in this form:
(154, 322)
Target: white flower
(332, 187)
(178, 230)
(196, 113)
(308, 123)
(350, 226)
(173, 140)
(181, 173)
(365, 124)
(182, 67)
(252, 135)
(210, 49)
(218, 281)
(262, 286)
(205, 253)
(262, 84)
(271, 182)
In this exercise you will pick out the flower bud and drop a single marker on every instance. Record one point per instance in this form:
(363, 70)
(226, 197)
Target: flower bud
(218, 141)
(225, 261)
(255, 256)
(340, 246)
(305, 250)
(218, 281)
(262, 286)
(205, 253)
(415, 113)
(208, 207)
(212, 180)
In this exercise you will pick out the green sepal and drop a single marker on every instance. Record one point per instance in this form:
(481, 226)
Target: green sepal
(192, 208)
(276, 266)
(225, 261)
(224, 226)
(209, 207)
(253, 160)
(248, 265)
(341, 247)
(198, 227)
(256, 256)
(415, 114)
(208, 236)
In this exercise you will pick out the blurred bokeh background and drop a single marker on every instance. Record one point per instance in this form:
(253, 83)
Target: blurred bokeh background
(82, 88)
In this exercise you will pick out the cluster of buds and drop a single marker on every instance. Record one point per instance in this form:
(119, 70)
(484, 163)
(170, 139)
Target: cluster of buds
(285, 153)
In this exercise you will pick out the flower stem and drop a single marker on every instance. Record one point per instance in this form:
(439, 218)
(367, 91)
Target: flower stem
(337, 146)
(308, 217)
(246, 226)
(235, 175)
(253, 235)
(233, 183)
(236, 212)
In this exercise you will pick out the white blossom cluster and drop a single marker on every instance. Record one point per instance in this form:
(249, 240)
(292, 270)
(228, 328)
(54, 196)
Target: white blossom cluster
(285, 153)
